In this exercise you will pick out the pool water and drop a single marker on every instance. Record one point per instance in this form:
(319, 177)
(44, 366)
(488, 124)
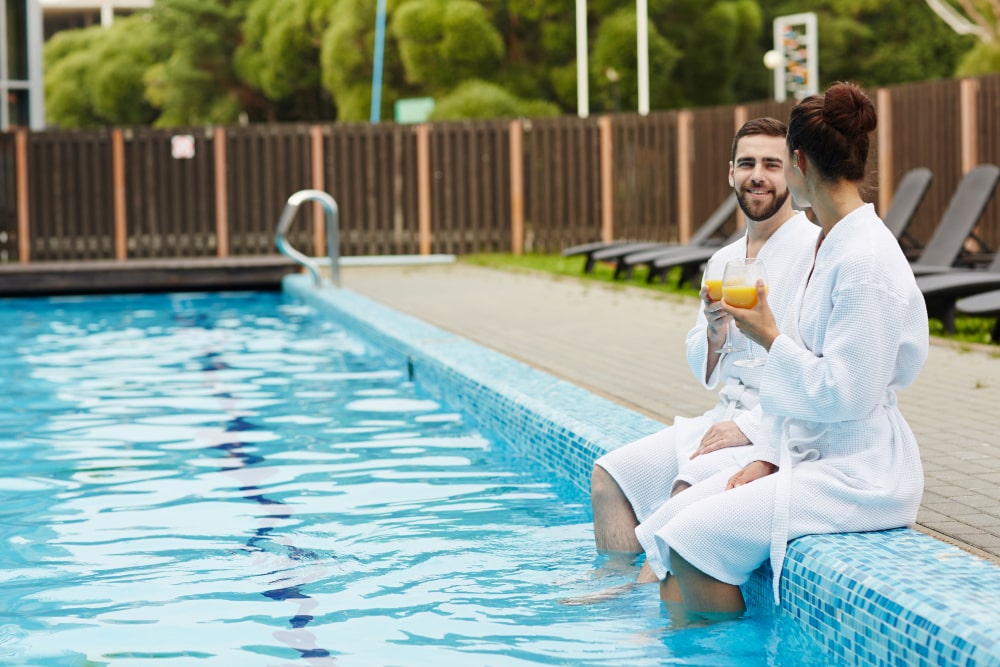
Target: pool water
(234, 480)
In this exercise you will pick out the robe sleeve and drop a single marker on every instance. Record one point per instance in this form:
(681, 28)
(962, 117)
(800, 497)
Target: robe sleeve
(866, 323)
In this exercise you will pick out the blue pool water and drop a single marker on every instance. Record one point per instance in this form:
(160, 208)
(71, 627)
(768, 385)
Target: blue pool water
(233, 480)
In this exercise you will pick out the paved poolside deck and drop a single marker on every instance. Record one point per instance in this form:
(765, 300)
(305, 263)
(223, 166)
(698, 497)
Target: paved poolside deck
(626, 344)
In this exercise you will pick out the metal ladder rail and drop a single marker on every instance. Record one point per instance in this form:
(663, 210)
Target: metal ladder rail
(332, 217)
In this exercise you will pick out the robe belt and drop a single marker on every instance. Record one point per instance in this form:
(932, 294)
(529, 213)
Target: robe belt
(798, 436)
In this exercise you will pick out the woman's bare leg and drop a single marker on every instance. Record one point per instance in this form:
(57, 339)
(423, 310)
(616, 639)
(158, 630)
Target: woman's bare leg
(703, 595)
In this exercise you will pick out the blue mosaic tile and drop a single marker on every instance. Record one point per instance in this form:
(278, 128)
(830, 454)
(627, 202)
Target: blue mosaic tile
(896, 597)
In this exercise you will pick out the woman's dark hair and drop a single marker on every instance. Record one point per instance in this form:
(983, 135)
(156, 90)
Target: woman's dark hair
(832, 130)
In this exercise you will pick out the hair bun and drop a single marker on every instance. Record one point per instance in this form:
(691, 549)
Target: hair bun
(847, 109)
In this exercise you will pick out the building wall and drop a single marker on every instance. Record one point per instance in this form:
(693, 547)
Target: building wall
(22, 100)
(70, 14)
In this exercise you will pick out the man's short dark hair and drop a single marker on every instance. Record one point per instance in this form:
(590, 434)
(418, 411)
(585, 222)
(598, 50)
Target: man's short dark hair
(771, 127)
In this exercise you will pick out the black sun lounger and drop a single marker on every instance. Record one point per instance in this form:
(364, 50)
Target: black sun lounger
(627, 261)
(905, 200)
(613, 250)
(966, 206)
(942, 290)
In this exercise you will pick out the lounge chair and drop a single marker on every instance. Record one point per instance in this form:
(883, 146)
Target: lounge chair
(627, 261)
(689, 260)
(905, 200)
(942, 290)
(986, 304)
(608, 251)
(946, 248)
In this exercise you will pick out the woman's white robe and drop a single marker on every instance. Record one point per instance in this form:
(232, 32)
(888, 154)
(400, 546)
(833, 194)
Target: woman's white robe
(847, 459)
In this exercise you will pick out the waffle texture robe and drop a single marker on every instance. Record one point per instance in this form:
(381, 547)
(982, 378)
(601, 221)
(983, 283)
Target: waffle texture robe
(847, 459)
(647, 468)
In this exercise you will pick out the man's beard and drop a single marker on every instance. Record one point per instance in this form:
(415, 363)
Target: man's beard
(766, 212)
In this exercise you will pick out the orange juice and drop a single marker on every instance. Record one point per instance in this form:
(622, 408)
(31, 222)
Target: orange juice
(714, 289)
(741, 296)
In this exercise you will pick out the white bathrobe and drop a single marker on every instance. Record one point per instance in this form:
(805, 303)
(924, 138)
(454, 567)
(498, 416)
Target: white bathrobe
(647, 469)
(847, 459)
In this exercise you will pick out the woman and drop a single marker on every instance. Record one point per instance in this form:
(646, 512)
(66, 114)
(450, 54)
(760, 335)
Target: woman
(840, 458)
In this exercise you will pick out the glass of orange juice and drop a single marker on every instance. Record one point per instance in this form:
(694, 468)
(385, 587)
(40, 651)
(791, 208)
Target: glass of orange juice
(739, 289)
(714, 273)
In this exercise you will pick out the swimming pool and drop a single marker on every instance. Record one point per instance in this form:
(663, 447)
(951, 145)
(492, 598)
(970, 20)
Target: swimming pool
(235, 480)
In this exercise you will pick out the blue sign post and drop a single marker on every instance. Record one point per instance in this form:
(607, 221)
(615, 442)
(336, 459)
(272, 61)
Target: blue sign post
(376, 110)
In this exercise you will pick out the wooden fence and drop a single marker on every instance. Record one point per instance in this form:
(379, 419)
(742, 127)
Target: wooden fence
(457, 187)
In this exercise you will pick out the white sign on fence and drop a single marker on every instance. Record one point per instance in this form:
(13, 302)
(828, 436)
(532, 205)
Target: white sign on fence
(182, 146)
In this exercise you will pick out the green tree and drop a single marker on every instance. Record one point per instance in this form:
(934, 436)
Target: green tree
(198, 83)
(981, 19)
(614, 63)
(280, 56)
(445, 42)
(95, 76)
(481, 99)
(347, 61)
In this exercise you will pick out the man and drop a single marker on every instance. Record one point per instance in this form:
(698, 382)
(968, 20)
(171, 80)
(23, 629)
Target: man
(629, 484)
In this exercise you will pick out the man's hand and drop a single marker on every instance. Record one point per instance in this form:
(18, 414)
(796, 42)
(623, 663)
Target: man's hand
(753, 471)
(717, 318)
(719, 436)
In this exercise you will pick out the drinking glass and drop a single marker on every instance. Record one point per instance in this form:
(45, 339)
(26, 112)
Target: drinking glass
(739, 289)
(714, 273)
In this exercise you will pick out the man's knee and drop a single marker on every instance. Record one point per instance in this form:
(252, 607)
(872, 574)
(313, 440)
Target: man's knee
(678, 487)
(602, 484)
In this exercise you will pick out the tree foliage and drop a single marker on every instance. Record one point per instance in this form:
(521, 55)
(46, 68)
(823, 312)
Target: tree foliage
(215, 61)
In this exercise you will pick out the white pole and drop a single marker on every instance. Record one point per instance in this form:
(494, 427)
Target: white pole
(582, 86)
(642, 28)
(4, 111)
(36, 73)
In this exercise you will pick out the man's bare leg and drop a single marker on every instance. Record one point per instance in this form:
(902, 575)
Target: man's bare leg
(614, 518)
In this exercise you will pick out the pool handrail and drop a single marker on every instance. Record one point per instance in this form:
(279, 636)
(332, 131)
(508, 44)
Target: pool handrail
(332, 218)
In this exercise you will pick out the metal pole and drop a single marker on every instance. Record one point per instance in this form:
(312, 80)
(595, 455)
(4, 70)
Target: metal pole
(36, 74)
(376, 109)
(582, 86)
(642, 29)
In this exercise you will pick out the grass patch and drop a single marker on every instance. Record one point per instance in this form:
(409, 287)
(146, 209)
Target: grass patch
(967, 329)
(573, 267)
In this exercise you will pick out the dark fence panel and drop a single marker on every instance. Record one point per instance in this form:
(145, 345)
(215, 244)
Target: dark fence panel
(927, 133)
(266, 164)
(470, 187)
(712, 132)
(645, 177)
(371, 170)
(8, 198)
(169, 202)
(70, 198)
(988, 148)
(562, 182)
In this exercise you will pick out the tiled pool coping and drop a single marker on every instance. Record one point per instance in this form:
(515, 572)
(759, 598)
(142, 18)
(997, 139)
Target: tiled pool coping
(890, 598)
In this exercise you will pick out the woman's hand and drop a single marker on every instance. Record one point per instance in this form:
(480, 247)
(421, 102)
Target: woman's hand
(756, 323)
(752, 472)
